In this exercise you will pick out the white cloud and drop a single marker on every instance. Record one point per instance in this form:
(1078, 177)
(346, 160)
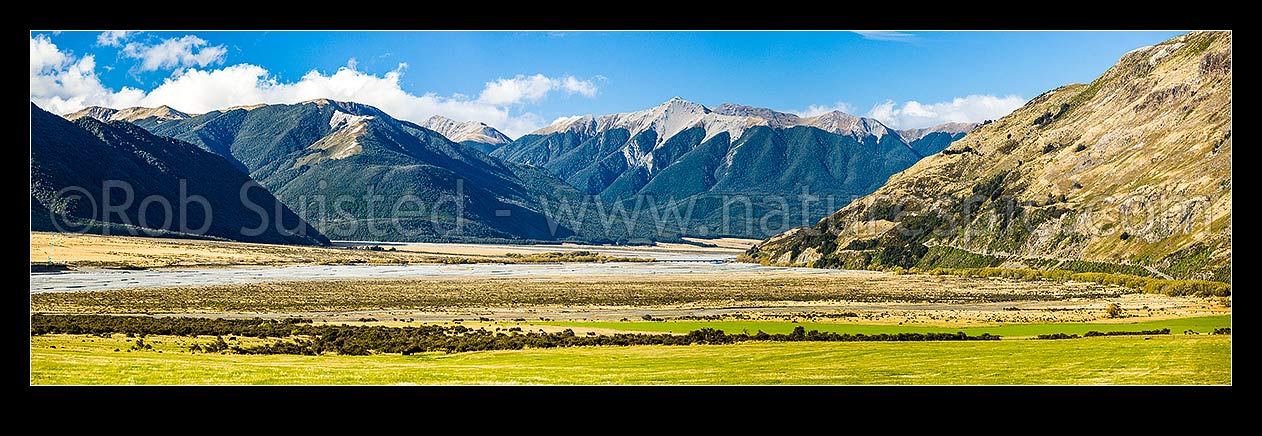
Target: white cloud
(113, 38)
(45, 56)
(526, 89)
(62, 84)
(969, 109)
(175, 53)
(816, 110)
(574, 86)
(883, 35)
(516, 90)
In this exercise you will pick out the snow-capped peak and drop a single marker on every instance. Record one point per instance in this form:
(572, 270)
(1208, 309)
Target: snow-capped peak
(676, 115)
(666, 120)
(774, 118)
(465, 131)
(843, 123)
(582, 124)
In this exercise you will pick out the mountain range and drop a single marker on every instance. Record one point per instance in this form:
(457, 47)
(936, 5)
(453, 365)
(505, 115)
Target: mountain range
(117, 178)
(772, 170)
(588, 178)
(1131, 172)
(357, 173)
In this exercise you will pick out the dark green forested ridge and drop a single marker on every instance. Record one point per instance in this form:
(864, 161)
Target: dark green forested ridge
(92, 155)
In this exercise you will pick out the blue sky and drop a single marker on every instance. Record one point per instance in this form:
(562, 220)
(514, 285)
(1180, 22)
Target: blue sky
(519, 81)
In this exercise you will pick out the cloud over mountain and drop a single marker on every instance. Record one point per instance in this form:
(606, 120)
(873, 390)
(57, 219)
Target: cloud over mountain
(64, 83)
(968, 109)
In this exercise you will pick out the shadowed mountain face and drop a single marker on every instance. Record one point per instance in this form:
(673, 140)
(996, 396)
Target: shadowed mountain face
(733, 171)
(1133, 168)
(117, 178)
(354, 172)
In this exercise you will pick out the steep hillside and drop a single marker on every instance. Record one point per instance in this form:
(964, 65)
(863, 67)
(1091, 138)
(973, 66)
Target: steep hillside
(1131, 169)
(73, 163)
(737, 170)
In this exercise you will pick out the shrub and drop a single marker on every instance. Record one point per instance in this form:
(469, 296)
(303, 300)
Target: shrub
(1138, 333)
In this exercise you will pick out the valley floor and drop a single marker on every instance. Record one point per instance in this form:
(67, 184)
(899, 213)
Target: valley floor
(766, 294)
(659, 297)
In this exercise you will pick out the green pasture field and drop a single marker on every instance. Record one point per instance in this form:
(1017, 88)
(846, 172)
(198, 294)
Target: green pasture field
(1202, 324)
(1161, 359)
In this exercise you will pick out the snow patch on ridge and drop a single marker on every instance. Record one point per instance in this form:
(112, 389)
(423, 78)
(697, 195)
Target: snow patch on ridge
(842, 123)
(666, 120)
(676, 115)
(465, 131)
(340, 118)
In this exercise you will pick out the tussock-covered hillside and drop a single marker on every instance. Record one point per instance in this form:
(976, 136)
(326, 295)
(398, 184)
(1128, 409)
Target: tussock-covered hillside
(1129, 173)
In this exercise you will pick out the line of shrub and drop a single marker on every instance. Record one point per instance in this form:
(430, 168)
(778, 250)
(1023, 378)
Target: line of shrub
(1094, 333)
(309, 339)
